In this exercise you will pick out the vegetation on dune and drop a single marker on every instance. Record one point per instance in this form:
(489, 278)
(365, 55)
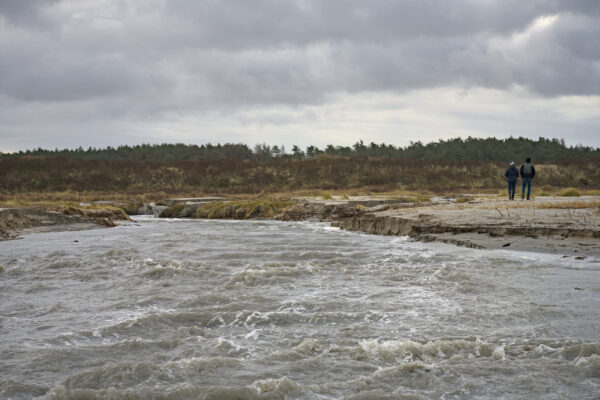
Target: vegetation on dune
(103, 214)
(172, 212)
(233, 177)
(569, 192)
(133, 175)
(239, 209)
(96, 212)
(74, 208)
(243, 209)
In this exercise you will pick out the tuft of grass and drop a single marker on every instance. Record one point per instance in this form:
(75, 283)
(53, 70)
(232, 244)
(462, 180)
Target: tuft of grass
(593, 192)
(96, 212)
(172, 212)
(243, 209)
(345, 197)
(571, 205)
(326, 196)
(131, 207)
(91, 211)
(403, 199)
(569, 192)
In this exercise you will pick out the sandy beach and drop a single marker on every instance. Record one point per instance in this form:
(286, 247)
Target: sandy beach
(569, 226)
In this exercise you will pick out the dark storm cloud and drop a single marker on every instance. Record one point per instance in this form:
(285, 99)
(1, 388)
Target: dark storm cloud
(154, 57)
(79, 79)
(26, 12)
(268, 51)
(269, 22)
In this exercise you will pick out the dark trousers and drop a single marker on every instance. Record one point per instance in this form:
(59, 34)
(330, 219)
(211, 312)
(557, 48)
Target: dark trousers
(511, 189)
(526, 182)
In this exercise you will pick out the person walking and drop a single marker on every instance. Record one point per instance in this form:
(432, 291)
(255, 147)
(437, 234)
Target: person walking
(527, 173)
(512, 174)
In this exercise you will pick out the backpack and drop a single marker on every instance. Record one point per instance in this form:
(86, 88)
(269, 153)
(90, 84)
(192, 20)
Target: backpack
(527, 169)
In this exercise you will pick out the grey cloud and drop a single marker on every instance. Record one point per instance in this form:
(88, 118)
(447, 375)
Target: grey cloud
(270, 23)
(265, 23)
(54, 80)
(587, 7)
(578, 34)
(26, 12)
(560, 60)
(157, 56)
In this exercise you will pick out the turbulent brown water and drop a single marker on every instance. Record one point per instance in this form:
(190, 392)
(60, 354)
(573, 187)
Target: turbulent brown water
(162, 309)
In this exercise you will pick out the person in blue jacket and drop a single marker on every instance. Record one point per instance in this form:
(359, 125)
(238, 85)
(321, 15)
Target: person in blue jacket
(512, 174)
(527, 174)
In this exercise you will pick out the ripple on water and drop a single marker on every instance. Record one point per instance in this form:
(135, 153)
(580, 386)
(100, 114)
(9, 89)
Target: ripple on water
(265, 310)
(10, 389)
(265, 274)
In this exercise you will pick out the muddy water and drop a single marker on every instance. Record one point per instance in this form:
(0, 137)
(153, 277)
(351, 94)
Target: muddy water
(270, 310)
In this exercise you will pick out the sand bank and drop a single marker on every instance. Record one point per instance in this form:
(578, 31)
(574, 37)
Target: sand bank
(16, 221)
(568, 226)
(557, 225)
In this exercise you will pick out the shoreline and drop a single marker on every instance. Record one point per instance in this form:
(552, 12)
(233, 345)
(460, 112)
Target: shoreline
(556, 225)
(18, 221)
(566, 226)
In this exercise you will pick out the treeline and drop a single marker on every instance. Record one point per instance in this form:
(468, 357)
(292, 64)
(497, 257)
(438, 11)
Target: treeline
(470, 149)
(147, 152)
(59, 174)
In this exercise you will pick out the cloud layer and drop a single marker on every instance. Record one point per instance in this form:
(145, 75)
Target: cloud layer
(78, 65)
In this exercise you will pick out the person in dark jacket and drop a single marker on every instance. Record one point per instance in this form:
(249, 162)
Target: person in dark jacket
(512, 174)
(527, 173)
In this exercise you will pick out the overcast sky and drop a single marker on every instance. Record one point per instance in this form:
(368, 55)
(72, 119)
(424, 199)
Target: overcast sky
(111, 72)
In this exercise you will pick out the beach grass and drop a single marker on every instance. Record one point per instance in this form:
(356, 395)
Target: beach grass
(267, 208)
(569, 192)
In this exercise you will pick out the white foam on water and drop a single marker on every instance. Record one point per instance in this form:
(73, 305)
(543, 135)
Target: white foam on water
(498, 353)
(187, 309)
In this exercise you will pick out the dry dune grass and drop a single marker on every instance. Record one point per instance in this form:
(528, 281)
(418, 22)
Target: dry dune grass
(559, 205)
(102, 214)
(569, 192)
(236, 177)
(267, 208)
(24, 198)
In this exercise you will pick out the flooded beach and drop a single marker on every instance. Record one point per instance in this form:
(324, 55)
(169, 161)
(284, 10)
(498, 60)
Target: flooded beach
(204, 309)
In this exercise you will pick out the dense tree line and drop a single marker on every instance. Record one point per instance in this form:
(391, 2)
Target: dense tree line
(147, 152)
(470, 149)
(59, 174)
